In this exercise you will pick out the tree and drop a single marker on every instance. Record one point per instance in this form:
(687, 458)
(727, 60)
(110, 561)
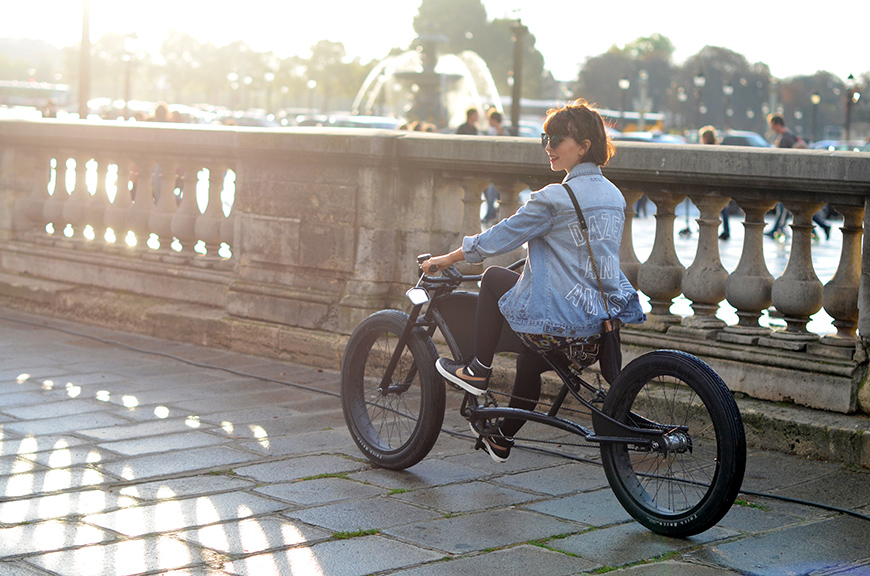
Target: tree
(723, 70)
(646, 66)
(460, 21)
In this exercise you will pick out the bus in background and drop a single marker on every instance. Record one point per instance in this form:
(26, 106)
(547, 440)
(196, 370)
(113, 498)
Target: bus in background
(533, 110)
(27, 97)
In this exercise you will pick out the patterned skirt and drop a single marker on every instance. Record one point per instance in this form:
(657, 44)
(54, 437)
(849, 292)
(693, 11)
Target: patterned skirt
(582, 352)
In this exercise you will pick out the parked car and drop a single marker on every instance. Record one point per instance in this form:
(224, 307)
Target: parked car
(832, 145)
(362, 121)
(744, 138)
(651, 137)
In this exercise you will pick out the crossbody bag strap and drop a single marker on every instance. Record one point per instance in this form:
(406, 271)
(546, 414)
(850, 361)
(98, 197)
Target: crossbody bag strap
(585, 230)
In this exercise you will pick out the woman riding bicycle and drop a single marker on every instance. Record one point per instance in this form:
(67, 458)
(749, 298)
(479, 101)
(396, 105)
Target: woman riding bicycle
(556, 301)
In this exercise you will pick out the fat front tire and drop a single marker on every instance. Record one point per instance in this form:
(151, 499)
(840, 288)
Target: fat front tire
(687, 486)
(394, 427)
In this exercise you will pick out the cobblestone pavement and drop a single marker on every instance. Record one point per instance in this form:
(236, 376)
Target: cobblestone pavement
(121, 454)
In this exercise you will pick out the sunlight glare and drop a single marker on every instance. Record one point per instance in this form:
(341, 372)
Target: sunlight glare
(110, 236)
(161, 412)
(227, 427)
(129, 401)
(73, 391)
(131, 238)
(192, 421)
(103, 395)
(260, 434)
(89, 232)
(27, 445)
(22, 378)
(48, 384)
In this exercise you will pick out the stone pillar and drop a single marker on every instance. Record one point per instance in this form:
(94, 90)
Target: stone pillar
(75, 208)
(749, 286)
(143, 203)
(96, 211)
(52, 210)
(864, 286)
(661, 276)
(840, 294)
(160, 219)
(704, 281)
(628, 260)
(115, 216)
(472, 188)
(228, 225)
(208, 226)
(183, 223)
(797, 294)
(509, 192)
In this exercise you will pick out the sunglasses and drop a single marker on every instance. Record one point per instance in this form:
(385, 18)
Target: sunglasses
(553, 141)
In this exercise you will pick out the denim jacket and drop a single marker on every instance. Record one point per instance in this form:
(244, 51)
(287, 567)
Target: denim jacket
(557, 293)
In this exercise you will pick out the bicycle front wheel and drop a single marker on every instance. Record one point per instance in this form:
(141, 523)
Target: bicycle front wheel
(686, 485)
(396, 425)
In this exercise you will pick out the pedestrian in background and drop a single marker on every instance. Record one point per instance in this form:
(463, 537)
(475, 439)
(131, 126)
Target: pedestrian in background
(470, 126)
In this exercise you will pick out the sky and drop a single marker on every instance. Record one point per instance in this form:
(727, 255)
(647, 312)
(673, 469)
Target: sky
(793, 38)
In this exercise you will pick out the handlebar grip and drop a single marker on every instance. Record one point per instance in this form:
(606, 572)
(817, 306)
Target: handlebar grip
(422, 258)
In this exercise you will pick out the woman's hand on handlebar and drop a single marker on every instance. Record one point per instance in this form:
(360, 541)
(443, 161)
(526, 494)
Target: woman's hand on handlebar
(438, 263)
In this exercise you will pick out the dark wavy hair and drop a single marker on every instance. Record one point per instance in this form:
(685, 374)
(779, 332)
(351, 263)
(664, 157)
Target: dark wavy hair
(581, 121)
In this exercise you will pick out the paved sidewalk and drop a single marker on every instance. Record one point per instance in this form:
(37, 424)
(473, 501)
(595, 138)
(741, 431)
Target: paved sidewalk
(121, 454)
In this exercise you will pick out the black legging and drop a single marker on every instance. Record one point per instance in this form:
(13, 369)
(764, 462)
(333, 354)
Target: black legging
(489, 322)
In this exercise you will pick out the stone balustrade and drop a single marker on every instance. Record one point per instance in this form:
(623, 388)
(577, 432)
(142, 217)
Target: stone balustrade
(324, 226)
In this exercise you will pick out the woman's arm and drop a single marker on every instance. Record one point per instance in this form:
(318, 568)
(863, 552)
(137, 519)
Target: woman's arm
(443, 261)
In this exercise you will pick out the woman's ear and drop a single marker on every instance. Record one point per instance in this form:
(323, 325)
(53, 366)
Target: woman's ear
(585, 145)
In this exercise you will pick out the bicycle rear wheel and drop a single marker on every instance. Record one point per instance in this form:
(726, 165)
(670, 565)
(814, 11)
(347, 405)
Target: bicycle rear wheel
(394, 427)
(687, 485)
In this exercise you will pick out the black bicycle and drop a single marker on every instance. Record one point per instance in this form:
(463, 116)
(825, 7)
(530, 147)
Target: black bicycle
(671, 437)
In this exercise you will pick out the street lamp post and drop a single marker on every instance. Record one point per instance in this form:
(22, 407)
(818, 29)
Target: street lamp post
(624, 85)
(683, 97)
(852, 97)
(519, 34)
(816, 99)
(131, 43)
(699, 82)
(728, 91)
(643, 76)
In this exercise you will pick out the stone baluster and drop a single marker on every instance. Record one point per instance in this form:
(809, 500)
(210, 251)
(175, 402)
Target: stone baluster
(160, 219)
(116, 213)
(749, 286)
(661, 276)
(473, 188)
(797, 294)
(52, 210)
(76, 207)
(40, 172)
(96, 210)
(183, 223)
(704, 281)
(143, 203)
(208, 225)
(228, 226)
(628, 260)
(509, 202)
(840, 294)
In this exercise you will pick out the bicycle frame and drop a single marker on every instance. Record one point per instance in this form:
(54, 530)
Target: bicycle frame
(606, 429)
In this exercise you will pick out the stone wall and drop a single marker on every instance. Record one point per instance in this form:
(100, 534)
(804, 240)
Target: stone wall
(323, 227)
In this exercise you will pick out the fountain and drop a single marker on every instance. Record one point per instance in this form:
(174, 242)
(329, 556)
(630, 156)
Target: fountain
(421, 85)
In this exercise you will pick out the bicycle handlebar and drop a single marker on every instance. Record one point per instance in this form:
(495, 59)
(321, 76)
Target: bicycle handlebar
(454, 277)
